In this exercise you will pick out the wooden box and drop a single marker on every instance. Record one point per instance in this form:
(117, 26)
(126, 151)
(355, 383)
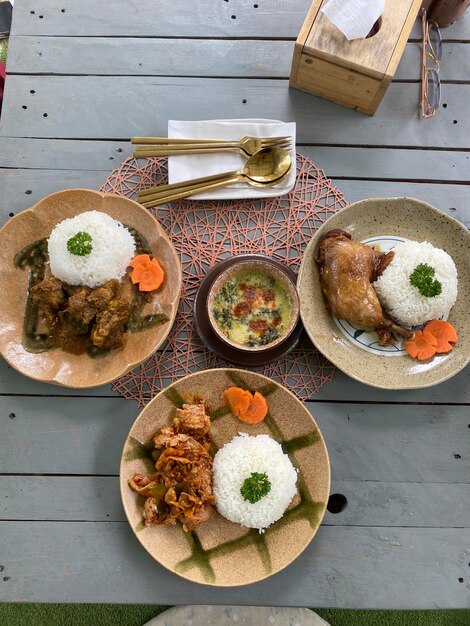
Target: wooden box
(355, 73)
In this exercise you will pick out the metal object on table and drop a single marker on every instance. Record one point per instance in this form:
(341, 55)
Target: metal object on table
(166, 146)
(265, 168)
(430, 65)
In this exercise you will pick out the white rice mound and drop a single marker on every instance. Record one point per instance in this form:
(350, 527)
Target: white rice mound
(113, 247)
(401, 300)
(235, 462)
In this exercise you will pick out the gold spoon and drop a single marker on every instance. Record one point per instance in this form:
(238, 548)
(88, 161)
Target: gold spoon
(264, 168)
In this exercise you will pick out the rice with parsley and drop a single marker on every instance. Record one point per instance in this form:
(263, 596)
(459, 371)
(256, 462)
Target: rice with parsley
(419, 285)
(90, 249)
(253, 481)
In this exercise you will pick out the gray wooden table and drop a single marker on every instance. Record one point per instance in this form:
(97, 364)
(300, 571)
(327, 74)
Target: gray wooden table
(83, 77)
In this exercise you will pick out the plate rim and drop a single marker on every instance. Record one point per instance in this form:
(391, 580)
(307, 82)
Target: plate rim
(123, 482)
(311, 244)
(162, 233)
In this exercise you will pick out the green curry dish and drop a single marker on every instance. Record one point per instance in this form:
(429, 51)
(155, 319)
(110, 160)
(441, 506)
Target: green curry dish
(255, 487)
(422, 277)
(80, 244)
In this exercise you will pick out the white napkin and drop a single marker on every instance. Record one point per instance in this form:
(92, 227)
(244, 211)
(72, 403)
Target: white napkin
(186, 167)
(354, 18)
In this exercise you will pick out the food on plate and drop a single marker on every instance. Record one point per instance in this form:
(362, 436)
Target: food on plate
(419, 284)
(444, 333)
(347, 270)
(393, 292)
(252, 308)
(83, 301)
(422, 346)
(248, 407)
(435, 338)
(82, 318)
(181, 487)
(146, 272)
(90, 249)
(253, 481)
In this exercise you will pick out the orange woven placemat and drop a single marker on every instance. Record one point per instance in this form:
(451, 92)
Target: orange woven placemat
(205, 233)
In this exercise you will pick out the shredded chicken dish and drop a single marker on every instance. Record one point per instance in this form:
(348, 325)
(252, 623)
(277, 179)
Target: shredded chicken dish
(181, 488)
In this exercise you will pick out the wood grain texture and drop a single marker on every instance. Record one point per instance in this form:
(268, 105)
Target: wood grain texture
(451, 199)
(178, 18)
(372, 503)
(342, 389)
(366, 442)
(369, 56)
(370, 567)
(209, 57)
(143, 105)
(348, 162)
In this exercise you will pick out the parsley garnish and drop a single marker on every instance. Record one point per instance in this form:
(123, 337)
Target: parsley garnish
(423, 279)
(80, 244)
(255, 487)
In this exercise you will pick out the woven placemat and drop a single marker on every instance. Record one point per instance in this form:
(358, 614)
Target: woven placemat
(205, 233)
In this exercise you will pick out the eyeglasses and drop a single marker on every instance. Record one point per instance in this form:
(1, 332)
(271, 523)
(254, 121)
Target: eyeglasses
(430, 64)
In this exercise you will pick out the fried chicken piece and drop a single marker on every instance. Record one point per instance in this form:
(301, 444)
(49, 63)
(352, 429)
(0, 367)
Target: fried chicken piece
(347, 269)
(192, 420)
(184, 472)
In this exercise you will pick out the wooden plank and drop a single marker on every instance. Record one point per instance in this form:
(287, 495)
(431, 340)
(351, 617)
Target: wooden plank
(342, 388)
(168, 18)
(452, 199)
(374, 503)
(209, 57)
(178, 18)
(366, 442)
(344, 162)
(143, 105)
(350, 567)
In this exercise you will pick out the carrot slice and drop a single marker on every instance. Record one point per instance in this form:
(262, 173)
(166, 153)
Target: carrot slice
(238, 400)
(423, 346)
(444, 333)
(137, 260)
(257, 409)
(149, 275)
(137, 273)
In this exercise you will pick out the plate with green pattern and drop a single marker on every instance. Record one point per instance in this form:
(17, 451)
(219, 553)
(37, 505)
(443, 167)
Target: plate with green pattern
(208, 554)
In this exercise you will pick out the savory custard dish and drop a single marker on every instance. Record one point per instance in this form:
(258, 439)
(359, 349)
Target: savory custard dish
(252, 308)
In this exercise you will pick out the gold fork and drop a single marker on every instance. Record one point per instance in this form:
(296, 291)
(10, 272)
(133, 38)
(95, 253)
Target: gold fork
(166, 146)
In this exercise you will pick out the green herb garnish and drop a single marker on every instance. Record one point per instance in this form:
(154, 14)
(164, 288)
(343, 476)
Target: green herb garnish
(423, 279)
(228, 292)
(80, 244)
(255, 487)
(270, 335)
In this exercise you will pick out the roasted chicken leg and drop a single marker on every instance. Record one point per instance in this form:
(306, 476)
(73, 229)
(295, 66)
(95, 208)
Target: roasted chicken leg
(347, 269)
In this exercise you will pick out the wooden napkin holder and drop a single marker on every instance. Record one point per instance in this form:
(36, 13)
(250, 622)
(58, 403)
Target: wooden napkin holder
(355, 73)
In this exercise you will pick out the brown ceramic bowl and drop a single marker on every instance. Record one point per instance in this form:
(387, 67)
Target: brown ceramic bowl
(274, 270)
(395, 217)
(219, 552)
(56, 366)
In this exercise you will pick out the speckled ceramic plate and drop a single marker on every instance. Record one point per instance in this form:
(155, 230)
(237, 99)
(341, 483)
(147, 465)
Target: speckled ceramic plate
(220, 552)
(404, 218)
(57, 366)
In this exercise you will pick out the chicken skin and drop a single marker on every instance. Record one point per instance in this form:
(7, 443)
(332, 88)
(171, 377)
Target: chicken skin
(347, 270)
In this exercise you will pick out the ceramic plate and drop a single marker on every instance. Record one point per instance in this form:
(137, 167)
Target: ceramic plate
(384, 219)
(220, 552)
(57, 366)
